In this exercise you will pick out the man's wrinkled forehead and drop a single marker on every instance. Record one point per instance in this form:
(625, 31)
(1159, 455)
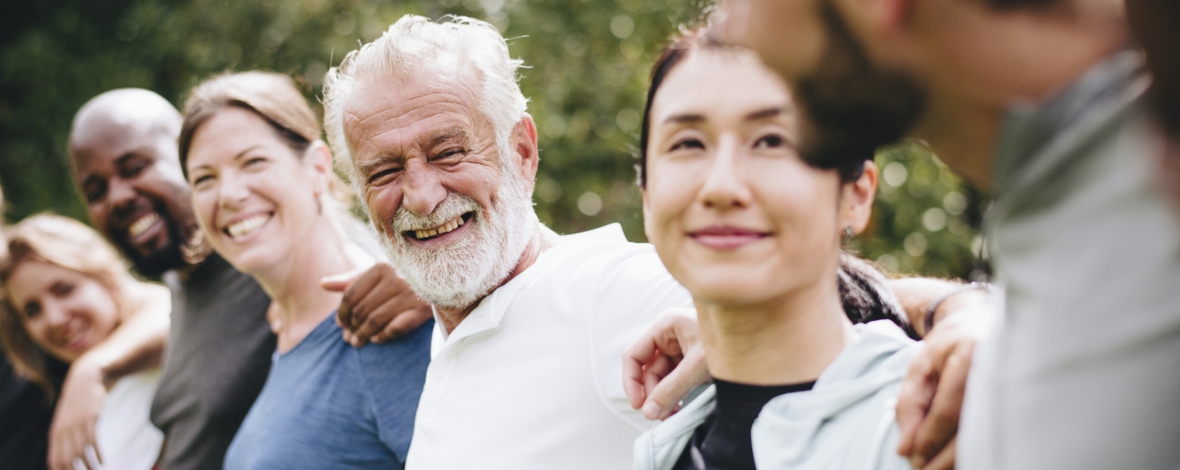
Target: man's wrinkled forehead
(407, 106)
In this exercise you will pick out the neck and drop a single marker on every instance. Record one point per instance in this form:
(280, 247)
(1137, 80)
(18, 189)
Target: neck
(294, 284)
(542, 239)
(1029, 56)
(783, 341)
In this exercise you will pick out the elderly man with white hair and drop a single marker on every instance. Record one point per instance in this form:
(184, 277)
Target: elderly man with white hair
(430, 125)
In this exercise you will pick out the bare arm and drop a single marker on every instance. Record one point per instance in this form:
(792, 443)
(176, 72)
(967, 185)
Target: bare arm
(135, 345)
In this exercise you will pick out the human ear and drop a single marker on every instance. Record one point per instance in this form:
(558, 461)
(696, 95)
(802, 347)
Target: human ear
(319, 161)
(856, 199)
(524, 144)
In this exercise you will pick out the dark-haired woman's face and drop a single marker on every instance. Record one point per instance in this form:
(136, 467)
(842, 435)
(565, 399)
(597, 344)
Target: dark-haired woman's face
(733, 211)
(65, 312)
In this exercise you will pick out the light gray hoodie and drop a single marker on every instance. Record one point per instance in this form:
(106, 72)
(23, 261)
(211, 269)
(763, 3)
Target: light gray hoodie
(846, 422)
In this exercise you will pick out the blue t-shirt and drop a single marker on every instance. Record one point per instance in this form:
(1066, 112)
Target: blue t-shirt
(328, 405)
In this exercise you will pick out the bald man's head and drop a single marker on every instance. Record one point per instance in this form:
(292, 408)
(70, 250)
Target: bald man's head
(125, 162)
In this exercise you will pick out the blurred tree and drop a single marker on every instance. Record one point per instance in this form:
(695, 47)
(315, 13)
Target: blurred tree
(589, 66)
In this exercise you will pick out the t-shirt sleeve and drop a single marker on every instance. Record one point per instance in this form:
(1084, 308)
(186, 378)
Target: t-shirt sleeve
(631, 288)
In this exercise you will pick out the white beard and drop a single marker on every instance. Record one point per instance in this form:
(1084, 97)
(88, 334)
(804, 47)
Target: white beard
(458, 275)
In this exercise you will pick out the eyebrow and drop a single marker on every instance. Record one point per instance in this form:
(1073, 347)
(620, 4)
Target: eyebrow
(457, 133)
(765, 113)
(684, 118)
(689, 118)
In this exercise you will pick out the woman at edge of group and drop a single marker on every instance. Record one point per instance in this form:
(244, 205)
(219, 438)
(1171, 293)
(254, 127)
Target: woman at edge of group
(754, 234)
(262, 182)
(65, 289)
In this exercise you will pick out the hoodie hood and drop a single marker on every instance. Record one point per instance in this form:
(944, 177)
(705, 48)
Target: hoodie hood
(847, 420)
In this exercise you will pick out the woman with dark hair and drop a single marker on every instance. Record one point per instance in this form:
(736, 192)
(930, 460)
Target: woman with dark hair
(755, 233)
(268, 201)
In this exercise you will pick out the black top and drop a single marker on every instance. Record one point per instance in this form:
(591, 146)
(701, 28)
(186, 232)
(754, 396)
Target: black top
(219, 352)
(722, 442)
(25, 415)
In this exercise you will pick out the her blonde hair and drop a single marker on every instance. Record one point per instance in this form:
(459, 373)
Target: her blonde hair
(65, 243)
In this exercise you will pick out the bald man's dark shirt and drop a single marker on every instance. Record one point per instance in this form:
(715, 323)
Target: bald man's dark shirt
(219, 354)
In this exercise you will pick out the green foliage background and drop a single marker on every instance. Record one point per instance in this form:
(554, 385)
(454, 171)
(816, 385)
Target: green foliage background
(589, 65)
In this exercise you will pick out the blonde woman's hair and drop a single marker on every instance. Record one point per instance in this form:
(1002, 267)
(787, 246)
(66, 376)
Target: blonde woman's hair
(65, 243)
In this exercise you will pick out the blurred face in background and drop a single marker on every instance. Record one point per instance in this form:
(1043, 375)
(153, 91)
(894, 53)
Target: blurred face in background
(452, 207)
(853, 106)
(733, 211)
(136, 195)
(65, 312)
(255, 198)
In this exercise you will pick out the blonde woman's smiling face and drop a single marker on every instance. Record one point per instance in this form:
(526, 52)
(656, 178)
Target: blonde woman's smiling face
(733, 211)
(65, 312)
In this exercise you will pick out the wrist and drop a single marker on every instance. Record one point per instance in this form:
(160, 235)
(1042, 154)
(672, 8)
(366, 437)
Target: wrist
(949, 302)
(92, 367)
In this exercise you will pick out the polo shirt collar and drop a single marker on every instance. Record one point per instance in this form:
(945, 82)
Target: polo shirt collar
(491, 309)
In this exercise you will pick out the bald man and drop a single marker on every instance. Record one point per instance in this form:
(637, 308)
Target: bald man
(123, 150)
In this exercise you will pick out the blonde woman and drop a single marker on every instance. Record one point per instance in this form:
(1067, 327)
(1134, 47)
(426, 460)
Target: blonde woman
(65, 290)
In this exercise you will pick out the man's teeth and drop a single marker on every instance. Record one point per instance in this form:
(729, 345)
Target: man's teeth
(142, 224)
(444, 228)
(245, 227)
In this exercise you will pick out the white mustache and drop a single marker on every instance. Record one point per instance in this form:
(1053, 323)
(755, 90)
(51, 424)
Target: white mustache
(453, 206)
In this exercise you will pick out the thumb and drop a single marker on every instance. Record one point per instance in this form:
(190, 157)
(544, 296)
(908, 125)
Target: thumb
(341, 282)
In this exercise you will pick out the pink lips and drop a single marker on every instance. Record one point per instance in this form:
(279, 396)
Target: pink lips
(722, 237)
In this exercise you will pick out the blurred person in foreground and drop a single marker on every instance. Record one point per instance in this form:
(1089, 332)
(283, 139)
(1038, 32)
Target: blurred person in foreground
(262, 188)
(429, 123)
(755, 234)
(26, 408)
(1042, 102)
(123, 150)
(65, 291)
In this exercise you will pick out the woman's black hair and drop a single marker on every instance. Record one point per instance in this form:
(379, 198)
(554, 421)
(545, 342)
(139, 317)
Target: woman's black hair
(866, 296)
(674, 53)
(864, 292)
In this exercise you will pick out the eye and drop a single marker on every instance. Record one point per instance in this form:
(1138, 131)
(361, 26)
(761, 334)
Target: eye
(198, 180)
(253, 162)
(95, 192)
(133, 167)
(62, 289)
(770, 141)
(383, 176)
(687, 144)
(32, 309)
(450, 153)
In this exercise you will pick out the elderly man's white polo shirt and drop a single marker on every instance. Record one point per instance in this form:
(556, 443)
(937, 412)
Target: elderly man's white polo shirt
(532, 378)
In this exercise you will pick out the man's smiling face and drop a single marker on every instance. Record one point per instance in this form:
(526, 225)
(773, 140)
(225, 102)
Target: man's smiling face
(449, 203)
(129, 173)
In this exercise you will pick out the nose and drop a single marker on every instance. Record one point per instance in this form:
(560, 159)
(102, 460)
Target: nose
(232, 191)
(724, 188)
(122, 195)
(55, 315)
(422, 191)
